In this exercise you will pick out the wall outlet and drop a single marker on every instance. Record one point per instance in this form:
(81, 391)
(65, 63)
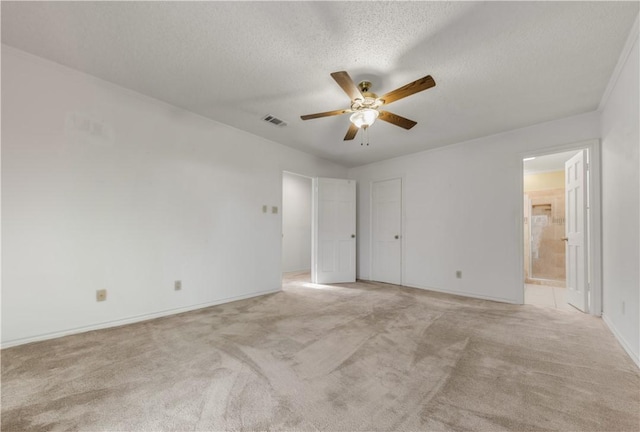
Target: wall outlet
(177, 285)
(101, 295)
(459, 274)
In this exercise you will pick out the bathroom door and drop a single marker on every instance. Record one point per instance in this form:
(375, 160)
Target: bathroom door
(576, 233)
(334, 231)
(386, 222)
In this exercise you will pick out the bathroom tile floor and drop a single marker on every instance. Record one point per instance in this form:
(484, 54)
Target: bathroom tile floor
(546, 296)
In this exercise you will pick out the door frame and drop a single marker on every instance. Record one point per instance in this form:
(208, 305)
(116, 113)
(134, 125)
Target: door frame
(594, 217)
(402, 224)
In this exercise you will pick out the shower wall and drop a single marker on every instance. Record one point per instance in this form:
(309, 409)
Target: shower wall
(545, 227)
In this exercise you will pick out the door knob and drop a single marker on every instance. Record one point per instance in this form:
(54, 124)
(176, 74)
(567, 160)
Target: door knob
(564, 238)
(397, 237)
(353, 236)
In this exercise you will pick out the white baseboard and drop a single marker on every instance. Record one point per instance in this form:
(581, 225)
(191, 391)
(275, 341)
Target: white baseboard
(129, 320)
(461, 293)
(297, 271)
(621, 339)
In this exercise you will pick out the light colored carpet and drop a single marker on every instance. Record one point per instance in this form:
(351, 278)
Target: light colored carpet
(361, 356)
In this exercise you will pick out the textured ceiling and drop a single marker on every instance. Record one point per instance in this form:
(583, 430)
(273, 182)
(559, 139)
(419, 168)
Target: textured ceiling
(498, 65)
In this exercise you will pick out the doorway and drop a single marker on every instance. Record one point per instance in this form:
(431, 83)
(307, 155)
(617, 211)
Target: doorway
(561, 236)
(318, 229)
(296, 224)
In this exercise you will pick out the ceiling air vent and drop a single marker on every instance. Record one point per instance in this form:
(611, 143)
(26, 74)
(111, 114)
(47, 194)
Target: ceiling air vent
(274, 120)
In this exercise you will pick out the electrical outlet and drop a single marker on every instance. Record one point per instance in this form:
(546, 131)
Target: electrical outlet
(177, 285)
(101, 295)
(459, 274)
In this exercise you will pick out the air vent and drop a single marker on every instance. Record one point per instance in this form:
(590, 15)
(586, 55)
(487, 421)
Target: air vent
(274, 120)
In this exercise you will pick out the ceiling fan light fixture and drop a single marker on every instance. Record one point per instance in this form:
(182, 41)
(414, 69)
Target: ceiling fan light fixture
(364, 117)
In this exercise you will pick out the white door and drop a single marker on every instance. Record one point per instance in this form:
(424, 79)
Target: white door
(334, 246)
(386, 230)
(576, 232)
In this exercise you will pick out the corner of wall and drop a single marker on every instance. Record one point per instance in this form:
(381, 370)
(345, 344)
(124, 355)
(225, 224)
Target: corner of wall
(632, 39)
(623, 342)
(620, 238)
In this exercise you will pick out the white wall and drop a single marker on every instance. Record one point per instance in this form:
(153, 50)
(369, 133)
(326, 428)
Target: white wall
(159, 195)
(296, 223)
(462, 205)
(620, 200)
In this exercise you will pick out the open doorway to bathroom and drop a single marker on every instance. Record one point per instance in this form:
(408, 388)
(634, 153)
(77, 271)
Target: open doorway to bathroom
(296, 227)
(549, 261)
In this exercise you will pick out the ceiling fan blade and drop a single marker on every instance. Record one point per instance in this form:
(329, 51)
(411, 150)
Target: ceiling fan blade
(397, 120)
(409, 89)
(351, 133)
(323, 114)
(344, 80)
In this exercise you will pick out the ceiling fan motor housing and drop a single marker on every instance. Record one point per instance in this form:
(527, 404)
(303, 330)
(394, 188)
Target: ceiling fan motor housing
(370, 100)
(364, 86)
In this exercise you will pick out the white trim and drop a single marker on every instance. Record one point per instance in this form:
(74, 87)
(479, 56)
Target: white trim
(622, 60)
(520, 224)
(462, 293)
(297, 174)
(314, 232)
(403, 224)
(130, 320)
(371, 230)
(595, 229)
(298, 270)
(621, 340)
(595, 234)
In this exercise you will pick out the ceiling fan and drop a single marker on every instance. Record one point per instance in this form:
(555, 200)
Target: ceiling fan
(365, 105)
